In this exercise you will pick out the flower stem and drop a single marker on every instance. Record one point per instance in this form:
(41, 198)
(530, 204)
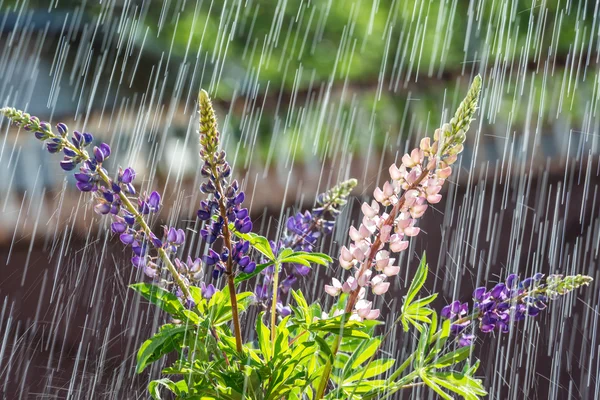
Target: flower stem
(274, 304)
(237, 330)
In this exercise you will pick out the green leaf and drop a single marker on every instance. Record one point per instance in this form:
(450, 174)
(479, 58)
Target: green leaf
(417, 282)
(281, 344)
(284, 253)
(324, 347)
(422, 347)
(200, 301)
(177, 388)
(471, 369)
(221, 310)
(244, 276)
(362, 387)
(461, 384)
(341, 324)
(377, 367)
(421, 303)
(264, 335)
(365, 352)
(296, 260)
(169, 338)
(304, 258)
(433, 326)
(161, 297)
(434, 386)
(260, 243)
(452, 358)
(444, 333)
(303, 312)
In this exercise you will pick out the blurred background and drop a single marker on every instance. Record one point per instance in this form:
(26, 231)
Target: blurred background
(307, 93)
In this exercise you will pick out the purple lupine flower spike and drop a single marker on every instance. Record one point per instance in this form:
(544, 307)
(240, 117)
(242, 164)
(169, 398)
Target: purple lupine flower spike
(506, 303)
(304, 230)
(224, 202)
(127, 222)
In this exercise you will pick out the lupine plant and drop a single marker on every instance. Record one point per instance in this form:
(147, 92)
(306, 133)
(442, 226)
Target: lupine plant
(299, 350)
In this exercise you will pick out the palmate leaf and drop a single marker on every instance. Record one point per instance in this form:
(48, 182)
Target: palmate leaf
(264, 335)
(454, 357)
(417, 282)
(219, 307)
(364, 352)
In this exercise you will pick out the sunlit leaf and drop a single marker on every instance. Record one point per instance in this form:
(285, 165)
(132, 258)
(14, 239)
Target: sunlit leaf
(377, 367)
(159, 296)
(177, 388)
(241, 277)
(168, 339)
(453, 357)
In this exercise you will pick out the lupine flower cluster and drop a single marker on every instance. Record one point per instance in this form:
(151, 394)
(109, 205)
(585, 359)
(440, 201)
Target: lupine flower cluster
(303, 232)
(304, 229)
(111, 198)
(496, 309)
(224, 204)
(414, 185)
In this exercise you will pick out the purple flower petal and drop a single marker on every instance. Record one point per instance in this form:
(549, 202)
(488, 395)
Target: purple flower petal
(207, 291)
(128, 175)
(154, 201)
(85, 186)
(98, 154)
(511, 281)
(105, 150)
(102, 208)
(171, 235)
(87, 138)
(239, 199)
(67, 164)
(180, 237)
(249, 268)
(62, 129)
(118, 227)
(127, 238)
(138, 262)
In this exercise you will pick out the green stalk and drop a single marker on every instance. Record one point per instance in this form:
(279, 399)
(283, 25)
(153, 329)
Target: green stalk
(237, 329)
(209, 144)
(274, 304)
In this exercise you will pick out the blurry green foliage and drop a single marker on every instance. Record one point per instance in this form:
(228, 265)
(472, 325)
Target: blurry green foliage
(379, 57)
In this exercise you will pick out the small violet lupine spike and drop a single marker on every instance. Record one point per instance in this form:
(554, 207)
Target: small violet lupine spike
(224, 202)
(498, 308)
(414, 185)
(303, 233)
